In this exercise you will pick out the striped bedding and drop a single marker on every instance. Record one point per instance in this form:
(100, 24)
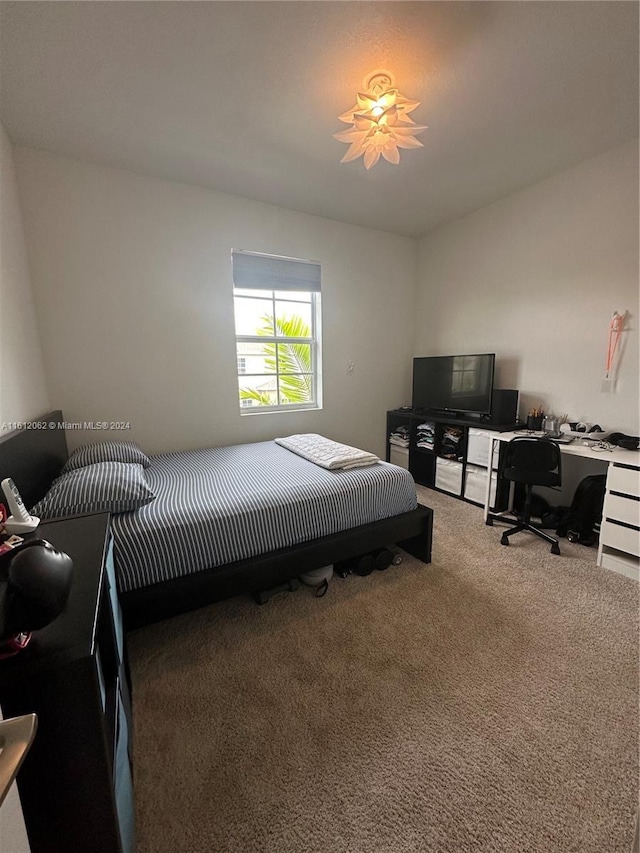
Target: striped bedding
(219, 505)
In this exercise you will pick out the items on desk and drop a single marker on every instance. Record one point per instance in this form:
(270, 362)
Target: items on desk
(581, 429)
(599, 445)
(628, 442)
(563, 438)
(551, 425)
(7, 541)
(535, 418)
(558, 429)
(587, 427)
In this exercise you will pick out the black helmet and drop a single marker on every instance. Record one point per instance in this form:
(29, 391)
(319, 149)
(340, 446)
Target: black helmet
(34, 588)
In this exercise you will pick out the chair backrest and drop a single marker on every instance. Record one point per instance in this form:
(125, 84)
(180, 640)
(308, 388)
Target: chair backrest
(529, 453)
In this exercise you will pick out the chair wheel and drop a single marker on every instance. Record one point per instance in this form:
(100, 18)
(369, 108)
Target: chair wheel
(555, 549)
(504, 541)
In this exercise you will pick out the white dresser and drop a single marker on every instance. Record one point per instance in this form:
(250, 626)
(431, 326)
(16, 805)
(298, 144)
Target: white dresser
(619, 547)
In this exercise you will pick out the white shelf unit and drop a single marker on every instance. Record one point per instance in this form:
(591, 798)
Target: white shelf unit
(619, 548)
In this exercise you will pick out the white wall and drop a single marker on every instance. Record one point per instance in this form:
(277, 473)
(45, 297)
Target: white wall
(23, 393)
(535, 278)
(133, 290)
(131, 277)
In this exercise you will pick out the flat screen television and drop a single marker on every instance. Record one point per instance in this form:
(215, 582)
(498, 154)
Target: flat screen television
(454, 383)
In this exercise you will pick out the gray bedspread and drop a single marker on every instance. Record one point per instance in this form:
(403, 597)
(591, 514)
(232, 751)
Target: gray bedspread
(219, 505)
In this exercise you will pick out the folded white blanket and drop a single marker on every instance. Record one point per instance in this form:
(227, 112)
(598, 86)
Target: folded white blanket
(327, 453)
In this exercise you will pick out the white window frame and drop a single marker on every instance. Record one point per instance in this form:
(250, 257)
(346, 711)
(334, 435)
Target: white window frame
(314, 341)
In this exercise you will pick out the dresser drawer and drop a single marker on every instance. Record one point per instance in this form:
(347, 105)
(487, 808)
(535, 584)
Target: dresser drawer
(618, 508)
(625, 480)
(622, 538)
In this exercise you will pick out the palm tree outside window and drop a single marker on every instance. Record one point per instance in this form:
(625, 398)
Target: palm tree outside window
(277, 336)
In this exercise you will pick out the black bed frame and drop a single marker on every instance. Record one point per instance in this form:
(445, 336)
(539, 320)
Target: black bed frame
(34, 455)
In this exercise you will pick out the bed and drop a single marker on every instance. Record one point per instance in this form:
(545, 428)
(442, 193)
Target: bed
(281, 515)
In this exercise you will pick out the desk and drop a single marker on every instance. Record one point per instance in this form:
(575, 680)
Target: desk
(621, 513)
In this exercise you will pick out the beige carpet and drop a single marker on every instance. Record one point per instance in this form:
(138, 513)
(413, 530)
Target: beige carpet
(486, 703)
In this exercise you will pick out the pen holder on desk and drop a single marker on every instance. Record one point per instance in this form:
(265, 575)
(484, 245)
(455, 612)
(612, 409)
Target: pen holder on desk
(534, 422)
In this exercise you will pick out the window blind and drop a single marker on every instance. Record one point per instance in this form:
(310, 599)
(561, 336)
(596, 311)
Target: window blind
(252, 270)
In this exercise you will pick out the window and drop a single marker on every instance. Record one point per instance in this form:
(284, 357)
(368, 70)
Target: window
(277, 319)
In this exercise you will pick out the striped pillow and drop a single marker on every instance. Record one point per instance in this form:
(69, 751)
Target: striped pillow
(106, 451)
(106, 487)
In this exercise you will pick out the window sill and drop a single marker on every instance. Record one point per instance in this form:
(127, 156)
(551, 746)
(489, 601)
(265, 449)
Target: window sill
(288, 411)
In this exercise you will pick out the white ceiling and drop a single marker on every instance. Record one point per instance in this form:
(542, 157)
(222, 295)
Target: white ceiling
(244, 96)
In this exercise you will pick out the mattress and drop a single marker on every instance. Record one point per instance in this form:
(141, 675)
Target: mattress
(218, 505)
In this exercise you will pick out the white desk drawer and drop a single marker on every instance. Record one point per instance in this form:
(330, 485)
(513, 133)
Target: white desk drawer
(625, 480)
(623, 538)
(618, 508)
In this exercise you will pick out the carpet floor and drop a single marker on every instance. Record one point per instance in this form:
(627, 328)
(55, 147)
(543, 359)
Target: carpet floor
(486, 703)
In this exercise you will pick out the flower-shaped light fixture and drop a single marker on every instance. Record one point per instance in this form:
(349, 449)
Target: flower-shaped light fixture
(380, 123)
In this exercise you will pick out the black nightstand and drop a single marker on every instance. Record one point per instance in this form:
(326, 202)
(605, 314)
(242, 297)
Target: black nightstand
(76, 783)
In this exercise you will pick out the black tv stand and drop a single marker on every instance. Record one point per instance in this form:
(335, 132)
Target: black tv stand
(459, 469)
(442, 416)
(464, 417)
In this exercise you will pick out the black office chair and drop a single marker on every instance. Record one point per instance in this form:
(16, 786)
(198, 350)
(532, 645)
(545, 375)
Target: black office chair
(533, 462)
